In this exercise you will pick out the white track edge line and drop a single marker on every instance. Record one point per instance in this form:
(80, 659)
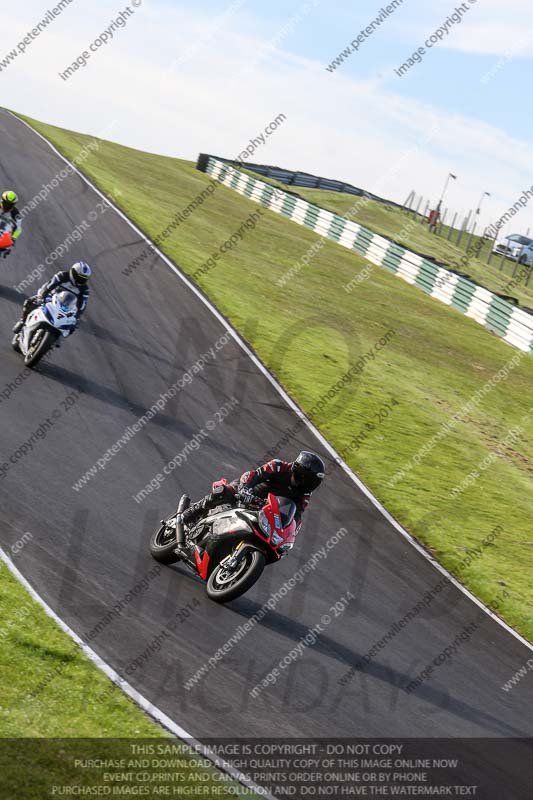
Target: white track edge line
(139, 699)
(290, 402)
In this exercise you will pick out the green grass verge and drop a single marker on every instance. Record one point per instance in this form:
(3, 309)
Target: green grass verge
(50, 692)
(49, 687)
(432, 366)
(395, 223)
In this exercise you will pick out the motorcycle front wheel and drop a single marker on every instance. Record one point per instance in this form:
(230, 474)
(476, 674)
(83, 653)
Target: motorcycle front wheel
(41, 343)
(224, 585)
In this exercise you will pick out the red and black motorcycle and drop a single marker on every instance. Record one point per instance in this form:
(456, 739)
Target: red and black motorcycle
(230, 547)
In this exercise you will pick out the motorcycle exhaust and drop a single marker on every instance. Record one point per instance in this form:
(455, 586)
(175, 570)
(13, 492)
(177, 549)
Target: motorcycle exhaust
(180, 532)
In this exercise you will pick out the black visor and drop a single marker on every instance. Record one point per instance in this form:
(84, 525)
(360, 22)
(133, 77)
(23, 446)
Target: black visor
(304, 478)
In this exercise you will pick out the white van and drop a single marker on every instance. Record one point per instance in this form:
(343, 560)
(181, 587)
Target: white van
(512, 246)
(526, 255)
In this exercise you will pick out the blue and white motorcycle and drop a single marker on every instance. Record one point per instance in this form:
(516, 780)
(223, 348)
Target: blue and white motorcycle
(45, 325)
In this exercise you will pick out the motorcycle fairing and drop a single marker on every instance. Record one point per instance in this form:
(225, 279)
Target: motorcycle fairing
(49, 315)
(202, 563)
(218, 535)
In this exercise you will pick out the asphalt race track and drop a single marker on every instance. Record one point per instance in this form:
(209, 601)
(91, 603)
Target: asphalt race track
(90, 548)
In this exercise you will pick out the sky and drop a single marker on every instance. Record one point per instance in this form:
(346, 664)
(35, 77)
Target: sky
(180, 79)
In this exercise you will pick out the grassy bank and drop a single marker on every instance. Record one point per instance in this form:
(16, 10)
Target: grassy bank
(469, 257)
(431, 366)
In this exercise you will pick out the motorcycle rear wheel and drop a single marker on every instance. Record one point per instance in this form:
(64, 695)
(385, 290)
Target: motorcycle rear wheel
(222, 590)
(163, 544)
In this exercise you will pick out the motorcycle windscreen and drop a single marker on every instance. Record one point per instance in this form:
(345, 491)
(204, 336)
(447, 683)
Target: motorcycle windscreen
(287, 510)
(67, 302)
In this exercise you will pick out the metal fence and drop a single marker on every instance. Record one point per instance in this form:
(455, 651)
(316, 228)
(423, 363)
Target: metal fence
(304, 179)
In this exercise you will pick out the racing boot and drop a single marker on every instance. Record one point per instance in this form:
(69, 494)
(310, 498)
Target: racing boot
(27, 306)
(192, 514)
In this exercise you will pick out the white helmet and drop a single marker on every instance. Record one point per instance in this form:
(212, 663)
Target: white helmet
(80, 272)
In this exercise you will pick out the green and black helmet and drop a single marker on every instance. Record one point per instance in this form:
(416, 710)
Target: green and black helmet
(9, 199)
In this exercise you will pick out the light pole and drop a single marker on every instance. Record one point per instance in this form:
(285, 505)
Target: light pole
(478, 209)
(450, 175)
(485, 194)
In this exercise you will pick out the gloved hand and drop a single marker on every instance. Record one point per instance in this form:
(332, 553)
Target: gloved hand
(5, 252)
(250, 499)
